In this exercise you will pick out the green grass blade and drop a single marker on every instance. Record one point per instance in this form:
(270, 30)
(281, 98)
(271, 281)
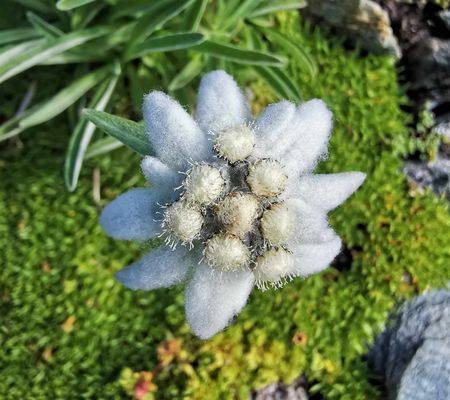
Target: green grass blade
(272, 6)
(291, 47)
(37, 5)
(238, 55)
(130, 133)
(189, 72)
(173, 42)
(280, 82)
(50, 48)
(102, 146)
(237, 14)
(156, 18)
(43, 27)
(65, 98)
(82, 135)
(65, 5)
(193, 15)
(17, 35)
(8, 53)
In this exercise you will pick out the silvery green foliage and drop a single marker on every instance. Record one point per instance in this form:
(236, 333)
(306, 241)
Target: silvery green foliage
(413, 353)
(234, 198)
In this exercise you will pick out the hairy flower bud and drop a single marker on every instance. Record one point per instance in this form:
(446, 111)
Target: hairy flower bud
(226, 252)
(203, 184)
(235, 144)
(267, 178)
(237, 212)
(277, 224)
(183, 221)
(273, 267)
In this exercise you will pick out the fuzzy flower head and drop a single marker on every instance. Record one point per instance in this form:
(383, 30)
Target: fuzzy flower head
(234, 197)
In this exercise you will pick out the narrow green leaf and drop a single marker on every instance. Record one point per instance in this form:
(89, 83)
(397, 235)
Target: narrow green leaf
(8, 53)
(189, 72)
(81, 17)
(102, 146)
(37, 5)
(172, 42)
(237, 14)
(88, 52)
(280, 82)
(17, 35)
(133, 8)
(130, 133)
(193, 15)
(291, 47)
(155, 18)
(65, 98)
(50, 48)
(65, 5)
(43, 27)
(272, 6)
(82, 135)
(238, 55)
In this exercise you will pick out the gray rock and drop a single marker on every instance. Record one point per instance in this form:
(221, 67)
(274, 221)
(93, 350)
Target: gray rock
(282, 391)
(412, 354)
(444, 15)
(430, 59)
(435, 175)
(362, 21)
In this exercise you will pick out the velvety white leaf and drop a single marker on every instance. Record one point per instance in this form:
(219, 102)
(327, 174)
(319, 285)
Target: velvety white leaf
(213, 298)
(326, 191)
(131, 216)
(271, 125)
(160, 268)
(161, 177)
(174, 135)
(311, 258)
(220, 103)
(306, 138)
(310, 223)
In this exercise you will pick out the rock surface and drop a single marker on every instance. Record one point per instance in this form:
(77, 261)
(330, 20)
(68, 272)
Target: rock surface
(435, 175)
(362, 21)
(297, 390)
(412, 355)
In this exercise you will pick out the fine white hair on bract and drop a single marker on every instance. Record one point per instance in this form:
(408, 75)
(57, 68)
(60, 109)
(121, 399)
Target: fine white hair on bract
(255, 218)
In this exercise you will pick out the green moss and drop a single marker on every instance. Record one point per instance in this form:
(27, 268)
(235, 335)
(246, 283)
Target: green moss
(68, 330)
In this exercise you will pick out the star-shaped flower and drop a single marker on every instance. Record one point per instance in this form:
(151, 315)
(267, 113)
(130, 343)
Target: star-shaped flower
(234, 198)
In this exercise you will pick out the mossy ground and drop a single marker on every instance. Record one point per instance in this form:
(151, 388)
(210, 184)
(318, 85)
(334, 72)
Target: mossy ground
(69, 330)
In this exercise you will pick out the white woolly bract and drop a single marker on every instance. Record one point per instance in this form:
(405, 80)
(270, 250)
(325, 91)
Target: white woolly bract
(237, 212)
(277, 224)
(273, 268)
(267, 178)
(226, 252)
(235, 144)
(203, 184)
(182, 222)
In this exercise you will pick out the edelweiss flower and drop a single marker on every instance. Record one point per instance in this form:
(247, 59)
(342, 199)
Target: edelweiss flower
(234, 198)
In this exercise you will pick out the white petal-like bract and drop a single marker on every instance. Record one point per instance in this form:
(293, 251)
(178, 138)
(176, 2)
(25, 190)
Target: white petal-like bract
(160, 268)
(311, 258)
(310, 223)
(161, 177)
(306, 139)
(327, 191)
(175, 136)
(220, 103)
(271, 125)
(213, 298)
(131, 216)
